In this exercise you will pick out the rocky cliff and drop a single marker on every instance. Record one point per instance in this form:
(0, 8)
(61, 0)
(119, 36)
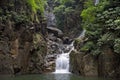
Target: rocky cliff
(22, 44)
(98, 53)
(104, 65)
(67, 14)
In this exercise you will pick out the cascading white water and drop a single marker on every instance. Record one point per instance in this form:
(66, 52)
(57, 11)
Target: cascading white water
(62, 64)
(96, 2)
(81, 36)
(62, 61)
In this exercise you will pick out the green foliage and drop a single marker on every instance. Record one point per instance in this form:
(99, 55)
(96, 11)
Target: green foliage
(67, 15)
(106, 39)
(102, 24)
(20, 18)
(87, 46)
(64, 1)
(33, 5)
(60, 15)
(90, 11)
(93, 31)
(117, 45)
(9, 13)
(110, 18)
(37, 5)
(96, 52)
(39, 44)
(59, 8)
(68, 10)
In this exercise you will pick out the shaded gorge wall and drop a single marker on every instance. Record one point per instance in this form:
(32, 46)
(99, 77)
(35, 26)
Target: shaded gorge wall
(22, 38)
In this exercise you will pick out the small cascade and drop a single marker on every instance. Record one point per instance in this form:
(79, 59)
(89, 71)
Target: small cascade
(81, 36)
(96, 2)
(62, 61)
(49, 14)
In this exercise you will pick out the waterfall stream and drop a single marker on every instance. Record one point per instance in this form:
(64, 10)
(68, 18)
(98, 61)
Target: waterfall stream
(96, 2)
(62, 61)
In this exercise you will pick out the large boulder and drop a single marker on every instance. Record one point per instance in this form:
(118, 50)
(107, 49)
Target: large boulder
(6, 66)
(67, 40)
(104, 65)
(76, 63)
(83, 64)
(108, 63)
(90, 65)
(57, 32)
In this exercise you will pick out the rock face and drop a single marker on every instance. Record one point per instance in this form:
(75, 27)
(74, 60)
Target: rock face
(6, 66)
(54, 45)
(24, 54)
(22, 43)
(57, 32)
(104, 65)
(108, 63)
(82, 64)
(66, 40)
(90, 66)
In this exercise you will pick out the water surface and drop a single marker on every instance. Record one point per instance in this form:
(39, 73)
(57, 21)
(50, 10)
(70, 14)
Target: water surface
(50, 77)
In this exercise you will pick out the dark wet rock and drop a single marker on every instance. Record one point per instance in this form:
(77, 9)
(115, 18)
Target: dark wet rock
(16, 70)
(50, 62)
(22, 44)
(104, 65)
(76, 64)
(21, 51)
(90, 65)
(57, 32)
(6, 65)
(82, 64)
(108, 63)
(51, 37)
(67, 40)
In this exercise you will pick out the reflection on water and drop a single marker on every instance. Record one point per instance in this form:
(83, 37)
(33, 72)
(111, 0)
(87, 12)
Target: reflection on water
(62, 77)
(50, 77)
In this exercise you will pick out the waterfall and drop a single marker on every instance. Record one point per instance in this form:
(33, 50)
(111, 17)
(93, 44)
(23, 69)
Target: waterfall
(96, 2)
(51, 21)
(81, 36)
(62, 61)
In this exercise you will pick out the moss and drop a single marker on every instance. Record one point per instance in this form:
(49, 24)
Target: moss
(88, 46)
(77, 41)
(37, 5)
(117, 45)
(39, 43)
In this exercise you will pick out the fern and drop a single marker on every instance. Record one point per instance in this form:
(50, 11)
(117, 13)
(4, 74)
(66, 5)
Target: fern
(63, 1)
(37, 5)
(32, 4)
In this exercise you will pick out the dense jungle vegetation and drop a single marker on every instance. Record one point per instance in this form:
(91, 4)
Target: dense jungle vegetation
(26, 39)
(101, 22)
(102, 25)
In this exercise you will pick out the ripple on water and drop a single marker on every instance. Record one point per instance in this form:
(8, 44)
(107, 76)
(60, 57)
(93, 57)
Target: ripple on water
(50, 77)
